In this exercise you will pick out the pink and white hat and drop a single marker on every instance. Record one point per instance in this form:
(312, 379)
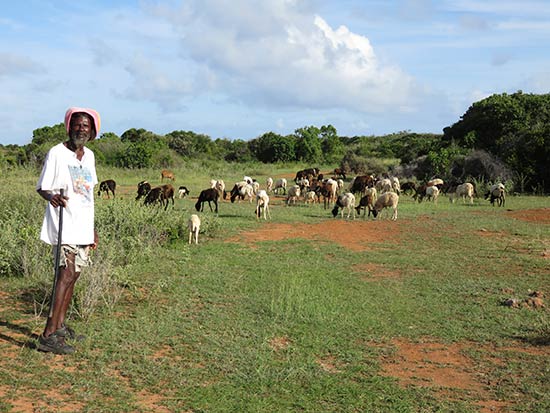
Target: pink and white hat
(93, 113)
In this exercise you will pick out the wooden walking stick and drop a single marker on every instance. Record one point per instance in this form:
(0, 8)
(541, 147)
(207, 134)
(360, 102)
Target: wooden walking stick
(57, 255)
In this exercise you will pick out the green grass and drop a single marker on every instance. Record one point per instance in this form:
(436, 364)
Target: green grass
(192, 328)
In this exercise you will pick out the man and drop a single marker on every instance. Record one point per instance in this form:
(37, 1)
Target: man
(69, 166)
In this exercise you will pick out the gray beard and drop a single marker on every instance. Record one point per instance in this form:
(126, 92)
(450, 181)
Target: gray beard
(79, 140)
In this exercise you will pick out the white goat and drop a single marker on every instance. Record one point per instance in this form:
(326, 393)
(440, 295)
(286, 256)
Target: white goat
(497, 193)
(262, 202)
(329, 192)
(293, 194)
(345, 201)
(386, 200)
(384, 185)
(464, 191)
(311, 196)
(269, 184)
(395, 185)
(432, 193)
(218, 185)
(280, 183)
(194, 226)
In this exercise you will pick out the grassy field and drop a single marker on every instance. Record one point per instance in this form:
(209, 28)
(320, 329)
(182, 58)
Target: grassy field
(304, 313)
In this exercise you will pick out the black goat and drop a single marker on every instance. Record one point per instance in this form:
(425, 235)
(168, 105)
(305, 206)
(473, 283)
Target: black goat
(153, 196)
(183, 191)
(207, 195)
(107, 186)
(143, 189)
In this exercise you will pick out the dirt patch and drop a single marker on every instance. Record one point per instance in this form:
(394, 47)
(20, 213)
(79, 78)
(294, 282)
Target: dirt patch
(49, 401)
(430, 364)
(329, 364)
(446, 367)
(370, 271)
(279, 343)
(540, 215)
(355, 235)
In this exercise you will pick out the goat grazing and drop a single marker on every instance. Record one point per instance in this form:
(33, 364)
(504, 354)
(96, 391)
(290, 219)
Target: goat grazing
(280, 183)
(241, 190)
(167, 174)
(339, 173)
(408, 186)
(154, 196)
(496, 193)
(386, 200)
(106, 186)
(345, 201)
(183, 192)
(207, 195)
(366, 202)
(219, 185)
(359, 183)
(143, 189)
(464, 191)
(262, 203)
(167, 195)
(311, 197)
(293, 194)
(432, 193)
(194, 226)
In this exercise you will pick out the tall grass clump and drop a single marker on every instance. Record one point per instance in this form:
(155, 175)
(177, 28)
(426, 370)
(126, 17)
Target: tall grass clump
(129, 235)
(21, 250)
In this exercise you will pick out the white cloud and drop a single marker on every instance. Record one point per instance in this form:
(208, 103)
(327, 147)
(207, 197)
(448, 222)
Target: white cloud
(152, 83)
(278, 54)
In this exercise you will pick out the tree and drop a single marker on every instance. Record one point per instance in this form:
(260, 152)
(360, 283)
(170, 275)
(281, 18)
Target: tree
(331, 145)
(107, 148)
(137, 155)
(512, 127)
(308, 144)
(190, 144)
(42, 140)
(271, 148)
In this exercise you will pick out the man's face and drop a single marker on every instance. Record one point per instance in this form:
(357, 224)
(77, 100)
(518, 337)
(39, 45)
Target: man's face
(80, 130)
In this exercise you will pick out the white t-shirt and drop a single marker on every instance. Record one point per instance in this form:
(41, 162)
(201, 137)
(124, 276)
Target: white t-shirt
(62, 169)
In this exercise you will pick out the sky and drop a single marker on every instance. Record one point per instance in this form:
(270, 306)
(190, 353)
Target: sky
(238, 69)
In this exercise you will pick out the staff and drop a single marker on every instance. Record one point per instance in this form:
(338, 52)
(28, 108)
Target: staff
(57, 255)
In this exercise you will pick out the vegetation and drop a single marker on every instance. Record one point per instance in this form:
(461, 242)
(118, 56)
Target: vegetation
(500, 138)
(289, 324)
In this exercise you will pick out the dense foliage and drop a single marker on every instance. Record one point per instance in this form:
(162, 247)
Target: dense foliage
(514, 128)
(500, 138)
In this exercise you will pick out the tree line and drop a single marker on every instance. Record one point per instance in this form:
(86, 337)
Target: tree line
(505, 137)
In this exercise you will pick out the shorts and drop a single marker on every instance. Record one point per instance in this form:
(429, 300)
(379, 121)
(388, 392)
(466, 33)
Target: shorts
(81, 255)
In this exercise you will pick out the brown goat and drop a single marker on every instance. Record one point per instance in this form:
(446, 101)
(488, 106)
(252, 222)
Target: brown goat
(167, 174)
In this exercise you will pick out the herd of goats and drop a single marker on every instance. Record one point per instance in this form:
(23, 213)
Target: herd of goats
(310, 186)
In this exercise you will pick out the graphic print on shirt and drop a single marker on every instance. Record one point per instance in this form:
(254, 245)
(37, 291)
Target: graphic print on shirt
(82, 182)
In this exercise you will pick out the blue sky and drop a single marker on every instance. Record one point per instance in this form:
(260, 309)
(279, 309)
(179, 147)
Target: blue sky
(237, 69)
